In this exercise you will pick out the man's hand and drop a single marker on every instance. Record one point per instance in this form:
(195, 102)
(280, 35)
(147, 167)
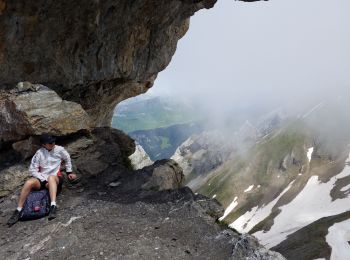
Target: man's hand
(72, 176)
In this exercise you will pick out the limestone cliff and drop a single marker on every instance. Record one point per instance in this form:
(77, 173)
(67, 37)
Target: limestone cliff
(93, 52)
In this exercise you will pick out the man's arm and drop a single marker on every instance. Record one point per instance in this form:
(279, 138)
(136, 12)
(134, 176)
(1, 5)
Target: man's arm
(35, 166)
(67, 161)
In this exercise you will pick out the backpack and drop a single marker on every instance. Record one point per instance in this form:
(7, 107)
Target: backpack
(37, 205)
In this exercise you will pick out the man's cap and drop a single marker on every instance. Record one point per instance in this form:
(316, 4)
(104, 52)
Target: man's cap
(47, 139)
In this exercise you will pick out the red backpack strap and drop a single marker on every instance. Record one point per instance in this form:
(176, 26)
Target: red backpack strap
(59, 174)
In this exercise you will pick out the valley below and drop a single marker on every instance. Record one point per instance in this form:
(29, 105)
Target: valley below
(278, 178)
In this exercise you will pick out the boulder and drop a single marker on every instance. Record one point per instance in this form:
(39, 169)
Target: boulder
(105, 150)
(32, 109)
(26, 148)
(246, 246)
(13, 177)
(163, 175)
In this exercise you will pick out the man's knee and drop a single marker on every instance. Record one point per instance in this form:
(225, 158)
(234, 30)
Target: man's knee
(53, 179)
(32, 183)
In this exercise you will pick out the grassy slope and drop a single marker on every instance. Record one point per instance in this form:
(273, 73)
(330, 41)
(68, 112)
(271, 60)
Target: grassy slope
(309, 242)
(153, 113)
(321, 167)
(259, 167)
(158, 119)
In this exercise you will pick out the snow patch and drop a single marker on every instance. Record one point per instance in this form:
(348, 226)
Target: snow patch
(140, 158)
(309, 153)
(233, 204)
(247, 221)
(249, 188)
(337, 238)
(312, 203)
(345, 188)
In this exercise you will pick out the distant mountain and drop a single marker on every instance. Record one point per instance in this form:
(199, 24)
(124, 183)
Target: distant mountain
(158, 124)
(283, 178)
(201, 153)
(161, 124)
(161, 143)
(152, 113)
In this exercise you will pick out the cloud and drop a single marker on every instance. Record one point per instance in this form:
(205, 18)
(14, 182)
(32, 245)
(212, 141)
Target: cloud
(261, 54)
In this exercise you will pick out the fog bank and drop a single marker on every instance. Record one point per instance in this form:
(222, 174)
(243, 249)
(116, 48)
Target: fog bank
(262, 54)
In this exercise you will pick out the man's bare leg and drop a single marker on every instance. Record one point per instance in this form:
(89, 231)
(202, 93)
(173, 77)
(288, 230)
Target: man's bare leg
(29, 185)
(52, 183)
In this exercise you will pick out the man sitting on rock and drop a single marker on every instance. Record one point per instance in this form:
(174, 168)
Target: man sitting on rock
(45, 168)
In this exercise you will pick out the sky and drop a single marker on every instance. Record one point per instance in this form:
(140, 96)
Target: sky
(262, 53)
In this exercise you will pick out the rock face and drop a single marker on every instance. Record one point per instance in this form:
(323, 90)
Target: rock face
(101, 158)
(163, 175)
(96, 53)
(26, 148)
(103, 151)
(170, 224)
(12, 177)
(37, 109)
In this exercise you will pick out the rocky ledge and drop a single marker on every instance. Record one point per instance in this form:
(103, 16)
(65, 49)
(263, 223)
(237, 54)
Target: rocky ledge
(112, 211)
(108, 224)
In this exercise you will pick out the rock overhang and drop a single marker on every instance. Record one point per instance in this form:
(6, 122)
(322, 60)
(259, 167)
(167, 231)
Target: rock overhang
(95, 53)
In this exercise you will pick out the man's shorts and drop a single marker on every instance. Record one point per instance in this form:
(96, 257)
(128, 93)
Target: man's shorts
(59, 186)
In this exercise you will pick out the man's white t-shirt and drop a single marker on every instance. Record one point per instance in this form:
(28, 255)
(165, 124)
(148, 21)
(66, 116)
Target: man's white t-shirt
(45, 163)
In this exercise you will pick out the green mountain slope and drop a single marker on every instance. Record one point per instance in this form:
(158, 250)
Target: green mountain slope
(271, 164)
(153, 113)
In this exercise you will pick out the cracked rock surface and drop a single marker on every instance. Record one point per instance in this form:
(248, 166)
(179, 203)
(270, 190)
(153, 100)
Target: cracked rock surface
(109, 225)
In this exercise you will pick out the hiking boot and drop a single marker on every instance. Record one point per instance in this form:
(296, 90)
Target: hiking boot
(52, 213)
(14, 218)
